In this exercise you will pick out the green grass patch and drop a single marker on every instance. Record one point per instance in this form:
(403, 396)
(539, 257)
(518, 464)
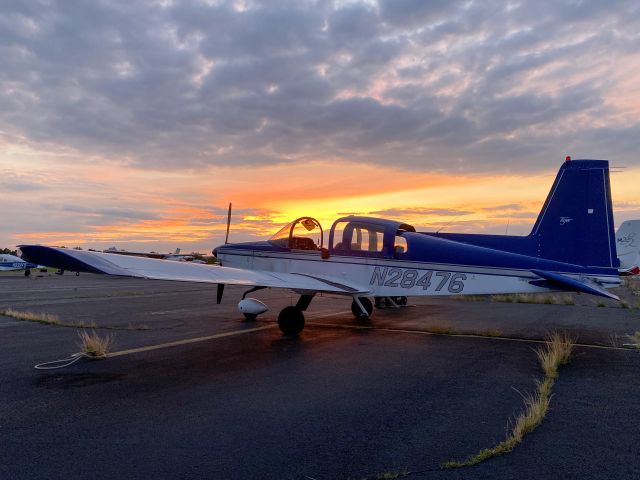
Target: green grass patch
(554, 353)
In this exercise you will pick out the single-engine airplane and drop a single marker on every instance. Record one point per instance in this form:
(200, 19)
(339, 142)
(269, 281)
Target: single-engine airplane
(571, 247)
(10, 263)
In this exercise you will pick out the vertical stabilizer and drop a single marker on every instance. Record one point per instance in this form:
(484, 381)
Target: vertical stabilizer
(576, 221)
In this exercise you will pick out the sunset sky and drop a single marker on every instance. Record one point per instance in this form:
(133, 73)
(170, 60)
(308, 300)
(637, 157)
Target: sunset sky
(134, 123)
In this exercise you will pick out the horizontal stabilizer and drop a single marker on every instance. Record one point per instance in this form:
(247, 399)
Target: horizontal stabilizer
(567, 283)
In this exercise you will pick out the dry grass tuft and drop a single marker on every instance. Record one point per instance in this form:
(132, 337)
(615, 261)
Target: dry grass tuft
(46, 318)
(392, 475)
(93, 344)
(534, 298)
(635, 340)
(632, 285)
(503, 298)
(554, 353)
(441, 329)
(471, 298)
(490, 332)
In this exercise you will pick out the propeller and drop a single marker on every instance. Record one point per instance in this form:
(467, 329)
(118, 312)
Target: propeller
(220, 291)
(226, 238)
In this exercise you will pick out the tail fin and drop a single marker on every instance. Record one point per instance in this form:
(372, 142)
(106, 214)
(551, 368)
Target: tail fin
(628, 245)
(576, 221)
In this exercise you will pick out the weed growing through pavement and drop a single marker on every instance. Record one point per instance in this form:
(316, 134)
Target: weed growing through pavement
(46, 318)
(554, 353)
(93, 344)
(534, 298)
(51, 319)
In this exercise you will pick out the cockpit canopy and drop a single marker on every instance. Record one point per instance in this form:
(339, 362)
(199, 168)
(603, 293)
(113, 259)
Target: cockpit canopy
(351, 236)
(368, 237)
(304, 233)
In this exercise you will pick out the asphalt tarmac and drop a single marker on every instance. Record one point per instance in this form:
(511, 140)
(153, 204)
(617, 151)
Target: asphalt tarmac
(345, 400)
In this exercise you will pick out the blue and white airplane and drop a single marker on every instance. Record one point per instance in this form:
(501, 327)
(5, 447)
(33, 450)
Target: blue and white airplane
(572, 247)
(9, 263)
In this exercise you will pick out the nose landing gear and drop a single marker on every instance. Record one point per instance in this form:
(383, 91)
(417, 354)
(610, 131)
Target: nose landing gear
(362, 308)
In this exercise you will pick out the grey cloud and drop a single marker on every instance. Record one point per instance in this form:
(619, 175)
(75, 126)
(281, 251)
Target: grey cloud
(445, 212)
(500, 208)
(516, 215)
(113, 213)
(414, 12)
(421, 85)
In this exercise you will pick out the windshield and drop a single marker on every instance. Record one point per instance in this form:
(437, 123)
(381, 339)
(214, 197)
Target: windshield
(302, 234)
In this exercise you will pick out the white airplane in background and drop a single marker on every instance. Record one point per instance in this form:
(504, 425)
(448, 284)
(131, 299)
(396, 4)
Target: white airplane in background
(175, 256)
(184, 257)
(628, 247)
(572, 247)
(9, 263)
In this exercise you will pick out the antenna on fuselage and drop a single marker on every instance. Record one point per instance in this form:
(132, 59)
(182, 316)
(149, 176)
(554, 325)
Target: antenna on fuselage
(226, 238)
(448, 223)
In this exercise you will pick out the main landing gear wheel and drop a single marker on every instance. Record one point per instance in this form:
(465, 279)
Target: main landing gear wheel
(291, 320)
(368, 306)
(250, 316)
(400, 301)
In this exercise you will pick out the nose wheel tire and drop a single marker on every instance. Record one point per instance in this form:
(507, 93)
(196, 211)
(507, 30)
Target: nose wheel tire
(250, 316)
(368, 306)
(291, 321)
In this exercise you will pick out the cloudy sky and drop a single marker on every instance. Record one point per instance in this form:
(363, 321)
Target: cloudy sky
(134, 123)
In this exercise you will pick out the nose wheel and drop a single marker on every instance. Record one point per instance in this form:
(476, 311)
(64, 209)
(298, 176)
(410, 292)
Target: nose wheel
(358, 312)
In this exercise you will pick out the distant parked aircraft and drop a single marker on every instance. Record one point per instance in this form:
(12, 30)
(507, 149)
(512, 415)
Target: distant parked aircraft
(628, 247)
(12, 263)
(175, 256)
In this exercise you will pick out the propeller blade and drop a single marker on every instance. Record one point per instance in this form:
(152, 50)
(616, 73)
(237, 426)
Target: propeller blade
(226, 238)
(220, 292)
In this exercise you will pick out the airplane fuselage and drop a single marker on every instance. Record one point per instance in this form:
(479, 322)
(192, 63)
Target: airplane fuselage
(406, 274)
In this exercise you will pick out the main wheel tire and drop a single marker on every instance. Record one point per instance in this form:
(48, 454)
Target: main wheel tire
(27, 272)
(400, 301)
(250, 316)
(291, 321)
(366, 303)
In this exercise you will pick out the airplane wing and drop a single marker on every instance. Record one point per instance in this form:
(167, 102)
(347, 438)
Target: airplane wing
(156, 269)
